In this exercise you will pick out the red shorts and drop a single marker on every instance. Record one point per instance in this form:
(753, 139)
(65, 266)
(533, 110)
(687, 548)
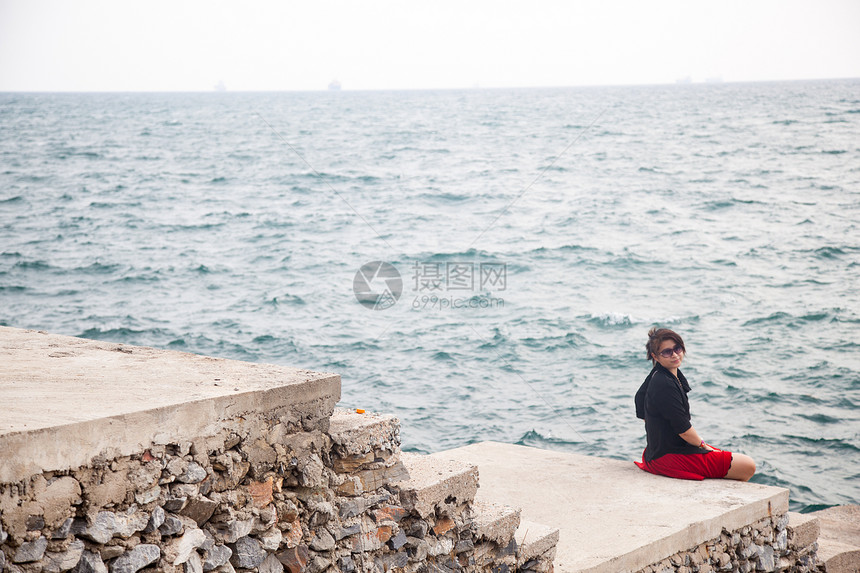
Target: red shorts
(714, 464)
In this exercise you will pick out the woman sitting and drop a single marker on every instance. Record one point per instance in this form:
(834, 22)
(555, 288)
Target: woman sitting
(674, 447)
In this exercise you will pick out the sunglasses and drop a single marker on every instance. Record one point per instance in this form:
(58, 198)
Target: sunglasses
(668, 352)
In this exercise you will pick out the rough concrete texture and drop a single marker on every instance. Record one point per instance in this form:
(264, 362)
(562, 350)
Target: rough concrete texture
(534, 540)
(495, 522)
(804, 529)
(356, 434)
(112, 400)
(432, 479)
(839, 542)
(642, 518)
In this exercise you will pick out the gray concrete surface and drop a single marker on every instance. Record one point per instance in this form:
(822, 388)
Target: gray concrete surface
(66, 400)
(611, 515)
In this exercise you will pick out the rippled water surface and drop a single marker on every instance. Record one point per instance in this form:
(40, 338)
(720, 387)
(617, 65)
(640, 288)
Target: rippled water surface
(234, 225)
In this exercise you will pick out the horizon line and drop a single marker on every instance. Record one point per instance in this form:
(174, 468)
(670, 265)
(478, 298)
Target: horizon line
(680, 82)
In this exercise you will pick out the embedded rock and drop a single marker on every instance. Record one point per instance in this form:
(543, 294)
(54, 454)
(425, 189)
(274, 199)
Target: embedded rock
(136, 559)
(217, 556)
(247, 553)
(100, 531)
(56, 562)
(271, 565)
(179, 549)
(31, 551)
(90, 563)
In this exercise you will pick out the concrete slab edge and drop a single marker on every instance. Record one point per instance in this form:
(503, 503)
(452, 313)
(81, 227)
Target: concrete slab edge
(534, 540)
(48, 449)
(694, 535)
(803, 529)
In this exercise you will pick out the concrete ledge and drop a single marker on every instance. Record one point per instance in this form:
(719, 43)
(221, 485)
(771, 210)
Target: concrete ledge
(534, 540)
(839, 543)
(803, 529)
(358, 434)
(496, 522)
(436, 481)
(611, 515)
(69, 400)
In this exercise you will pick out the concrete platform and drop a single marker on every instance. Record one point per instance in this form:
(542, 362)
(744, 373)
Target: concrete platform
(611, 515)
(67, 400)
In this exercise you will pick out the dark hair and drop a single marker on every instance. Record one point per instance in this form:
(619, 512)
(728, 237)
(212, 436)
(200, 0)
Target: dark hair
(656, 337)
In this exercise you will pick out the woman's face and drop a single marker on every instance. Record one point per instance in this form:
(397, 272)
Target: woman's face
(675, 358)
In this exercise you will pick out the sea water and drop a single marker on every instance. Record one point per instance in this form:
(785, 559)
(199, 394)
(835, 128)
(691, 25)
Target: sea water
(527, 240)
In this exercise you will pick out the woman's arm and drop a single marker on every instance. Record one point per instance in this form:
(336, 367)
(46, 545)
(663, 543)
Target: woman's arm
(691, 436)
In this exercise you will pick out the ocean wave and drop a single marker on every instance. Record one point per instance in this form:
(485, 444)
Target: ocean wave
(331, 178)
(828, 252)
(287, 299)
(827, 444)
(555, 343)
(98, 268)
(180, 228)
(614, 320)
(823, 419)
(771, 318)
(143, 337)
(535, 439)
(721, 204)
(277, 346)
(564, 249)
(734, 372)
(34, 266)
(724, 263)
(442, 355)
(456, 256)
(446, 197)
(141, 276)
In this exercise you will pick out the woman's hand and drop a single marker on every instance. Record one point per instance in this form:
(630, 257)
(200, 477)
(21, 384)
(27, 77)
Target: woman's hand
(691, 436)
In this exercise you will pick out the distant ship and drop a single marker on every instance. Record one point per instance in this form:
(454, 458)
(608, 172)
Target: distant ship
(334, 85)
(220, 86)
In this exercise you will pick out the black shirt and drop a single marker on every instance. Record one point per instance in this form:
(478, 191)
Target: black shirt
(662, 402)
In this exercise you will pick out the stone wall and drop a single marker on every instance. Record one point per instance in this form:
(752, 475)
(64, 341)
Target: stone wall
(324, 494)
(770, 544)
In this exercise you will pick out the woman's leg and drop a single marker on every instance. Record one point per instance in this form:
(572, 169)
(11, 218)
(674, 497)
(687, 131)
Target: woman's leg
(742, 468)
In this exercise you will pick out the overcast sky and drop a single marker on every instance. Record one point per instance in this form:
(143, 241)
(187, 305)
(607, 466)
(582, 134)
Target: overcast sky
(90, 45)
